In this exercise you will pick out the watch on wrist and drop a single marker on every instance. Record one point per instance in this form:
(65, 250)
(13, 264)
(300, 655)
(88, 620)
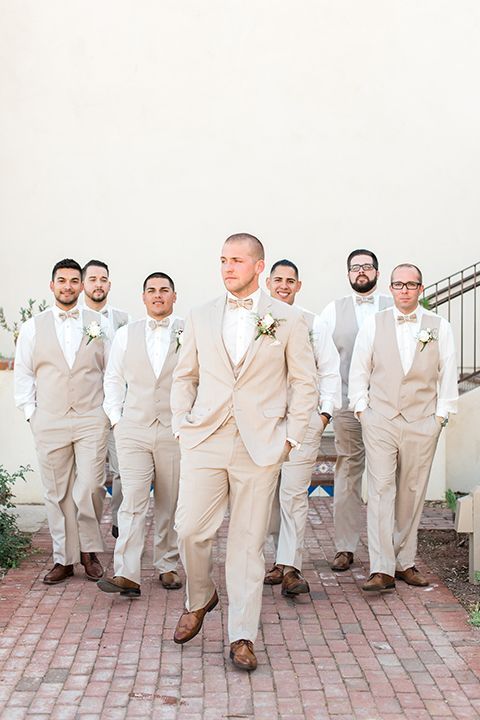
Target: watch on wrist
(327, 415)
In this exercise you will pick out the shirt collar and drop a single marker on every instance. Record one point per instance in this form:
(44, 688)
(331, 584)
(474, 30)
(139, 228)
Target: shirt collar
(398, 313)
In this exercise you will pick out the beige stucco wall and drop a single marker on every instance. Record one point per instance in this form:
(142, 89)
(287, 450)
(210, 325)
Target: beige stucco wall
(144, 133)
(463, 444)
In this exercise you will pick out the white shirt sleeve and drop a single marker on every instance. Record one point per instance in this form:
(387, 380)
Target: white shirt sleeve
(447, 393)
(23, 376)
(115, 386)
(327, 360)
(361, 366)
(329, 317)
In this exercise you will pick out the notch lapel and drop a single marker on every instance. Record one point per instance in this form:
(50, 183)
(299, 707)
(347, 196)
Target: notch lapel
(264, 305)
(216, 323)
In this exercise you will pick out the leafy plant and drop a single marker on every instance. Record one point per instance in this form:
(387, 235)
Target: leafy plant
(25, 314)
(424, 302)
(474, 615)
(451, 499)
(13, 543)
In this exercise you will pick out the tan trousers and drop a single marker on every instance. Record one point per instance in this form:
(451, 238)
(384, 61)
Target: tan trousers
(347, 497)
(116, 482)
(146, 455)
(290, 505)
(217, 472)
(71, 453)
(399, 460)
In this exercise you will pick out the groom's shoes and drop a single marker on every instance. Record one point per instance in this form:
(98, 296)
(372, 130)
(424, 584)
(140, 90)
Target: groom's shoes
(242, 655)
(274, 576)
(189, 623)
(119, 584)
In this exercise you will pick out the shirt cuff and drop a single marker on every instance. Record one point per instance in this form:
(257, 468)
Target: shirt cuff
(29, 410)
(441, 411)
(114, 417)
(293, 443)
(327, 407)
(360, 407)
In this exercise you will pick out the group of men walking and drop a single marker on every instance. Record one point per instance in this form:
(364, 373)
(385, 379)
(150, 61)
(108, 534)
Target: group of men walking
(225, 411)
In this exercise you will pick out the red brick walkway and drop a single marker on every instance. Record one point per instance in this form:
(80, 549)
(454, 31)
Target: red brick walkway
(71, 651)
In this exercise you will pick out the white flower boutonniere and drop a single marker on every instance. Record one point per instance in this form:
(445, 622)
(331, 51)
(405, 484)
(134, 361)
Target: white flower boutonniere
(426, 336)
(93, 331)
(179, 338)
(266, 325)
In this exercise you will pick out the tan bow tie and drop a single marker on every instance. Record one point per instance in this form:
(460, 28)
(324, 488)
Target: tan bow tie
(154, 324)
(369, 299)
(406, 318)
(235, 303)
(74, 314)
(104, 312)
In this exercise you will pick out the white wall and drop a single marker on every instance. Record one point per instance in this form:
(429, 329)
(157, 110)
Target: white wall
(144, 133)
(463, 444)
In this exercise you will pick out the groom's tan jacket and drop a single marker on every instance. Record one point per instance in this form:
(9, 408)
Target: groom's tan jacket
(207, 389)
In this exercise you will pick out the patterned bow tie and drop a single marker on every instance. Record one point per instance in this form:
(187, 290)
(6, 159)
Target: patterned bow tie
(74, 314)
(369, 299)
(406, 318)
(154, 324)
(235, 303)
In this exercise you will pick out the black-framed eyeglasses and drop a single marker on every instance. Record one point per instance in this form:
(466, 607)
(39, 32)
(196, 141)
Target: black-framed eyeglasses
(357, 268)
(409, 285)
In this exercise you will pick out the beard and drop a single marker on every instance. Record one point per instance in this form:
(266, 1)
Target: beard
(99, 297)
(364, 287)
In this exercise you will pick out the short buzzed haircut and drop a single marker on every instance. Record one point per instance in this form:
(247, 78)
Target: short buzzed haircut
(158, 275)
(362, 251)
(255, 243)
(66, 264)
(97, 263)
(284, 263)
(407, 265)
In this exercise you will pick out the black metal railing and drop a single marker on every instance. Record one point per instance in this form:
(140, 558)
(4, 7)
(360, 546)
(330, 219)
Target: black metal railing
(455, 297)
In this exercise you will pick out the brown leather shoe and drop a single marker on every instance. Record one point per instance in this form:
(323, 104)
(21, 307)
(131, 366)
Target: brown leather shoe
(412, 577)
(59, 573)
(170, 580)
(378, 582)
(294, 583)
(119, 584)
(189, 623)
(274, 576)
(242, 655)
(342, 561)
(91, 563)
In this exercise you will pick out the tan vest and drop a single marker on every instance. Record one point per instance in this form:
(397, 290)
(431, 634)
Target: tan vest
(148, 397)
(392, 393)
(345, 333)
(58, 387)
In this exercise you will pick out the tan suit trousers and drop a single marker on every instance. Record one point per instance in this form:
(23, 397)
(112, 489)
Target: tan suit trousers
(399, 460)
(71, 453)
(112, 458)
(146, 455)
(349, 467)
(290, 506)
(213, 474)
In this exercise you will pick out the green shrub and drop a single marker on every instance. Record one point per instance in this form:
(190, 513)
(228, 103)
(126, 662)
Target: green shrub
(13, 543)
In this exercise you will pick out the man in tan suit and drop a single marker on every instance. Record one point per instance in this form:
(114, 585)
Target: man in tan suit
(240, 354)
(402, 386)
(344, 317)
(290, 508)
(59, 364)
(138, 381)
(96, 289)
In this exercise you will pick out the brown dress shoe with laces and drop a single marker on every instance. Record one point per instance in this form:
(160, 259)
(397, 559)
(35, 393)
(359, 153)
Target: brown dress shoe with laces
(274, 576)
(412, 577)
(242, 655)
(91, 563)
(119, 584)
(190, 622)
(170, 580)
(294, 583)
(342, 561)
(59, 573)
(378, 582)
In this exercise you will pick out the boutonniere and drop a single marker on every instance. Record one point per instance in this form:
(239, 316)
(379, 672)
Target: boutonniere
(93, 331)
(425, 336)
(178, 333)
(267, 325)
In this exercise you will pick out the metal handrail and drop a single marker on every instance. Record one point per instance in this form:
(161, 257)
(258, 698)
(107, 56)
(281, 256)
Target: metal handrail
(461, 287)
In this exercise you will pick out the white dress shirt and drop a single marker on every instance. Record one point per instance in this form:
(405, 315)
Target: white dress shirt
(239, 327)
(69, 333)
(107, 313)
(115, 386)
(360, 369)
(362, 310)
(327, 361)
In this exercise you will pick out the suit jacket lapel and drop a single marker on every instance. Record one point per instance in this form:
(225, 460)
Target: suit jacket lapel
(264, 305)
(216, 322)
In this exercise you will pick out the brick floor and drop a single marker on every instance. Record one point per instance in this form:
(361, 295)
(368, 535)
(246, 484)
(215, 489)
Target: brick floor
(73, 652)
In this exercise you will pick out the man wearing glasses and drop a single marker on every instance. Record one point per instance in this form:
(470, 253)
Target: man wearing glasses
(402, 387)
(344, 317)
